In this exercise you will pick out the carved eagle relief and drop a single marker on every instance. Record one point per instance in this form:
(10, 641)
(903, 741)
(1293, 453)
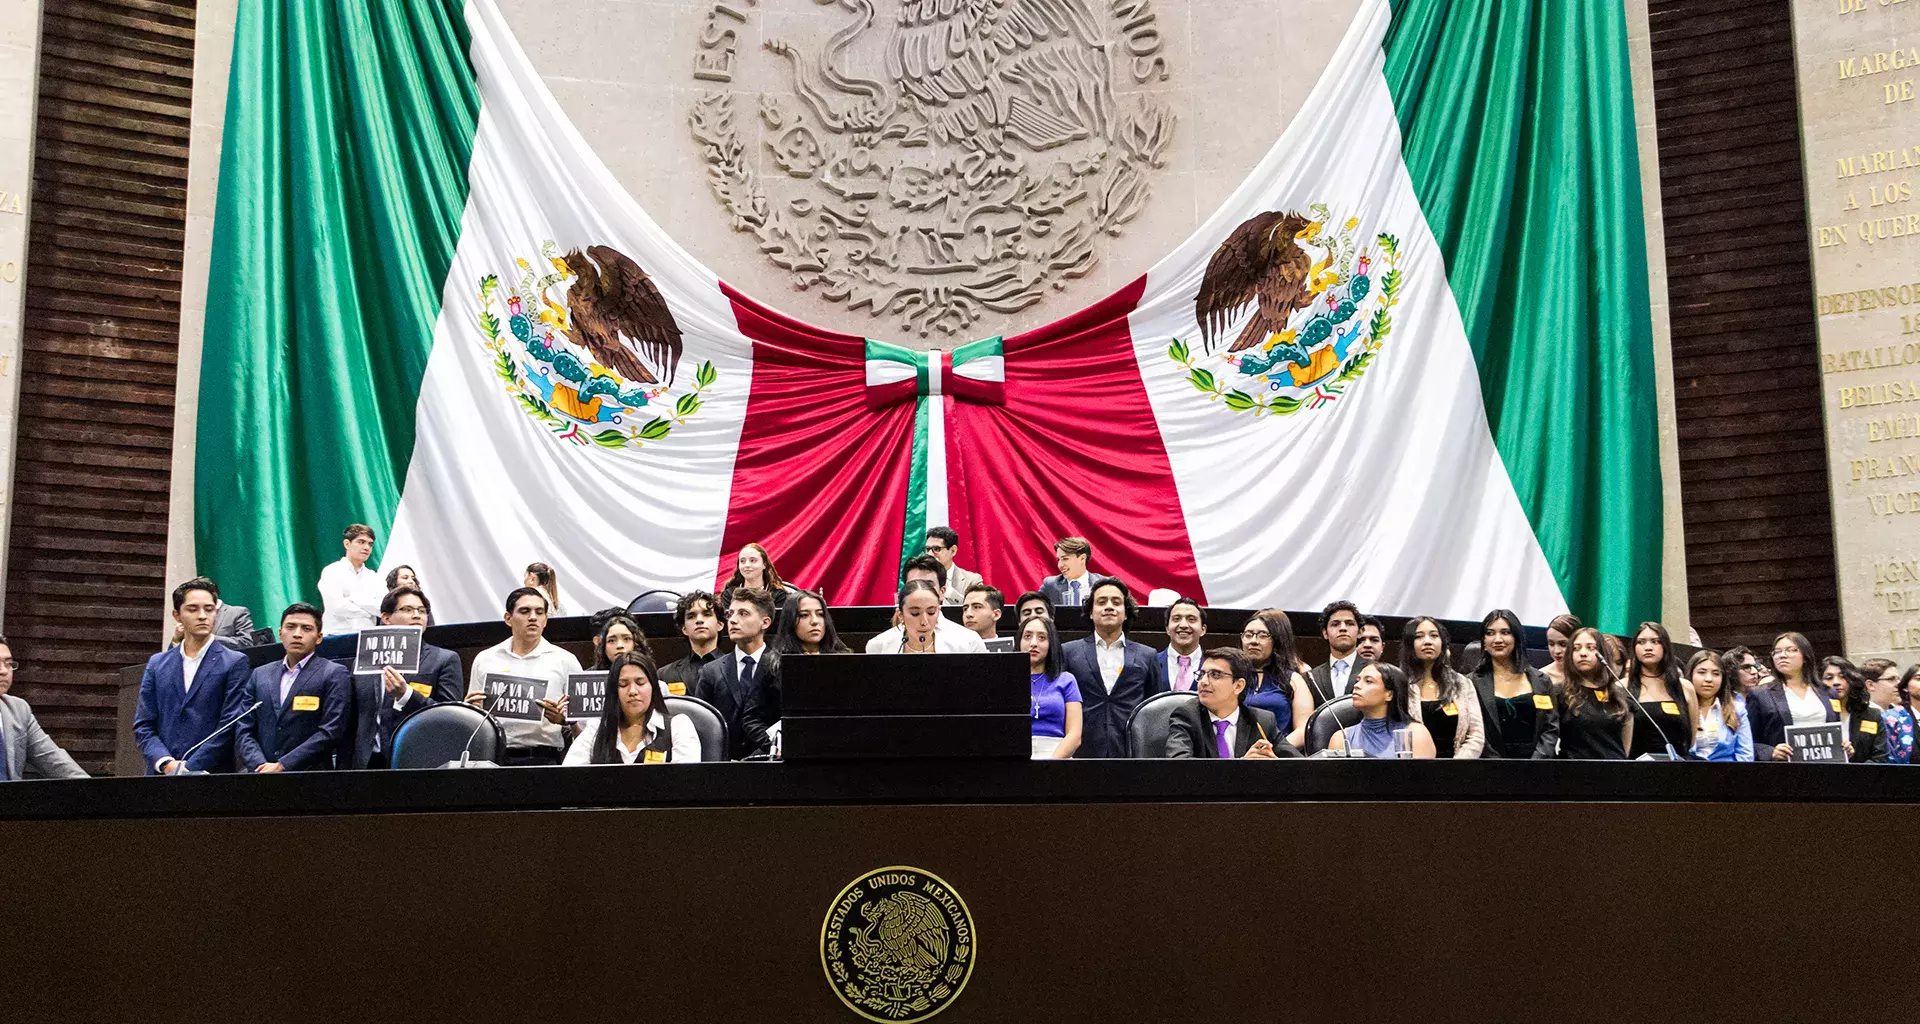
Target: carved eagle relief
(619, 315)
(1261, 261)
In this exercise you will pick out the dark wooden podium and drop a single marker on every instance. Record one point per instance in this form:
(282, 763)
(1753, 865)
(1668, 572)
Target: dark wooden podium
(906, 706)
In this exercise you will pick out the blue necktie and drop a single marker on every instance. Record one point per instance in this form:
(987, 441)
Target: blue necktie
(6, 775)
(1076, 591)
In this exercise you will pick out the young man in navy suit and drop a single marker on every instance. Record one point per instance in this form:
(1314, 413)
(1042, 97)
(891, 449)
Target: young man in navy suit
(303, 702)
(380, 702)
(188, 691)
(1115, 674)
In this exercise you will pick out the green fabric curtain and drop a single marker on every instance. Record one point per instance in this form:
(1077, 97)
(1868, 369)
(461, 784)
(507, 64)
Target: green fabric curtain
(1518, 127)
(342, 180)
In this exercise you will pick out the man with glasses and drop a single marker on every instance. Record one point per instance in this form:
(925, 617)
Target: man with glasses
(1220, 724)
(25, 748)
(943, 542)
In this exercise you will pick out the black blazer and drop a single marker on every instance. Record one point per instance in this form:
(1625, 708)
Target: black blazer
(297, 737)
(1103, 714)
(686, 671)
(1769, 713)
(373, 712)
(1320, 681)
(1191, 733)
(1869, 735)
(1546, 721)
(719, 685)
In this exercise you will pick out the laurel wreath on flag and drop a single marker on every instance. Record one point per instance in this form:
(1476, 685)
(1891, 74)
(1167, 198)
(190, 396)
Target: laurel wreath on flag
(622, 435)
(1378, 328)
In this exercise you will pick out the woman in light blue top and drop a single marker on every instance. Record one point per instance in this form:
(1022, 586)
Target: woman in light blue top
(1724, 734)
(1380, 695)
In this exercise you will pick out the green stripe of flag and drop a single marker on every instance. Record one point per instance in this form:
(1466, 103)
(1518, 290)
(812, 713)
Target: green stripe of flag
(1518, 126)
(343, 177)
(913, 529)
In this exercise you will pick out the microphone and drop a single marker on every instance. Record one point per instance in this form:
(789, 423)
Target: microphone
(1642, 708)
(215, 733)
(466, 751)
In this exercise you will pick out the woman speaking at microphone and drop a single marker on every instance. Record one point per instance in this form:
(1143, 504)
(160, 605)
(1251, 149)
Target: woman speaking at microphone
(1596, 723)
(922, 629)
(635, 727)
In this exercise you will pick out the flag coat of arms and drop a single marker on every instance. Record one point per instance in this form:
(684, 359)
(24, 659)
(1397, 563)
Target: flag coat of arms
(1405, 363)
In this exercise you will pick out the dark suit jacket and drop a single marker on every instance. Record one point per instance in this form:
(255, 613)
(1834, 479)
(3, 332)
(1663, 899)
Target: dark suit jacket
(169, 719)
(1546, 723)
(1104, 714)
(719, 685)
(373, 711)
(297, 739)
(1769, 713)
(1868, 746)
(1320, 681)
(1191, 733)
(1057, 590)
(686, 672)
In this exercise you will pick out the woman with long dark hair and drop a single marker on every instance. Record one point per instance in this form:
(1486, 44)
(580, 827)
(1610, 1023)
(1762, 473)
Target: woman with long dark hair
(1381, 695)
(620, 634)
(804, 626)
(1667, 713)
(1796, 696)
(635, 726)
(1559, 631)
(1724, 734)
(1860, 721)
(1596, 720)
(1057, 722)
(1517, 708)
(1899, 720)
(1441, 699)
(1278, 688)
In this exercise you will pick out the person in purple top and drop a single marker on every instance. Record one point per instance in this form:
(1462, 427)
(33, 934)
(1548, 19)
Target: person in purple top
(1056, 696)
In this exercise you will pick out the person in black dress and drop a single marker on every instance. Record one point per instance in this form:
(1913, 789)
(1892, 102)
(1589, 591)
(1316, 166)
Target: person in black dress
(1517, 705)
(1595, 719)
(1866, 739)
(1668, 713)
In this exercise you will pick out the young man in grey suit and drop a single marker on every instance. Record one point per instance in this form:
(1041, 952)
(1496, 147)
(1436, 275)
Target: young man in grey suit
(1115, 674)
(25, 748)
(380, 702)
(943, 542)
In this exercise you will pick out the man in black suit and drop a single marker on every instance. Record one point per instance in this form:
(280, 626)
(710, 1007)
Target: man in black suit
(698, 615)
(380, 702)
(1340, 626)
(304, 703)
(1115, 674)
(733, 682)
(1220, 724)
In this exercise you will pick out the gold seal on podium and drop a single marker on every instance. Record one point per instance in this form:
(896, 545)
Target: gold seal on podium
(898, 944)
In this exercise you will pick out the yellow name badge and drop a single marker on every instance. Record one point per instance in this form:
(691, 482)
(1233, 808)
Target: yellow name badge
(1869, 727)
(1836, 703)
(1670, 708)
(1544, 702)
(1452, 710)
(422, 689)
(1602, 696)
(677, 689)
(656, 757)
(309, 702)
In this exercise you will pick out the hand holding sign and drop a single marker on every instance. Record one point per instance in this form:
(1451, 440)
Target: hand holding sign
(387, 647)
(517, 698)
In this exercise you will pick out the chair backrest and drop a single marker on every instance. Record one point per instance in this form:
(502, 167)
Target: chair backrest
(1151, 722)
(437, 733)
(1328, 719)
(1161, 597)
(653, 601)
(707, 724)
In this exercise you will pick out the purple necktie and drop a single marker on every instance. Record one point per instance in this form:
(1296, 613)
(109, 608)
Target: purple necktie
(1186, 660)
(1220, 740)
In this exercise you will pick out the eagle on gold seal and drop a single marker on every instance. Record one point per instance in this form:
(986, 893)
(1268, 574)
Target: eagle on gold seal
(898, 945)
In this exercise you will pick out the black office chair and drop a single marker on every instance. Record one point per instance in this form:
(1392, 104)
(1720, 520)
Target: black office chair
(1327, 719)
(438, 733)
(707, 724)
(653, 601)
(1150, 723)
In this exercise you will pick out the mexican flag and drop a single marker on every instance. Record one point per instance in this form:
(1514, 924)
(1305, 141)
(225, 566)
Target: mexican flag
(1407, 362)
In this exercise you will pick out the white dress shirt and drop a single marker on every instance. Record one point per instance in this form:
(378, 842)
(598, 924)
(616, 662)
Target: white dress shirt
(1111, 657)
(949, 637)
(350, 598)
(545, 661)
(1173, 669)
(190, 666)
(1340, 674)
(686, 742)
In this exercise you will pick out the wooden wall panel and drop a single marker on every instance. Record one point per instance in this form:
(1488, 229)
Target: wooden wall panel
(87, 556)
(1753, 468)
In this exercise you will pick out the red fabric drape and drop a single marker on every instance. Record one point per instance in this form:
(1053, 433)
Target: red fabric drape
(1074, 451)
(820, 479)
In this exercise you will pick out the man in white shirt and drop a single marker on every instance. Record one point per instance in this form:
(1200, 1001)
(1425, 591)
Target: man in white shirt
(350, 591)
(1340, 625)
(949, 637)
(527, 653)
(1186, 624)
